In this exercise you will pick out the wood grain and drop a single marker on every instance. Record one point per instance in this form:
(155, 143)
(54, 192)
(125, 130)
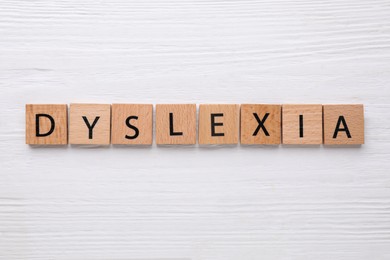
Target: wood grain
(183, 128)
(219, 123)
(302, 124)
(199, 203)
(90, 124)
(265, 129)
(347, 118)
(57, 131)
(141, 117)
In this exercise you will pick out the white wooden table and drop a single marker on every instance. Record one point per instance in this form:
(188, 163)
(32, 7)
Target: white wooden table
(216, 203)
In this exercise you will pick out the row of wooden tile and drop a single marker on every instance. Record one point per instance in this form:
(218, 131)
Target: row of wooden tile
(132, 124)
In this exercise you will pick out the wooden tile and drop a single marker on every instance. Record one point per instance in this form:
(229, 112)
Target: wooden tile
(176, 124)
(343, 124)
(46, 124)
(132, 124)
(90, 124)
(302, 124)
(218, 124)
(260, 124)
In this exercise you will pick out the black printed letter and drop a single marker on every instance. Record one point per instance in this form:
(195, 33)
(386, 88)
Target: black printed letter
(90, 127)
(261, 124)
(132, 127)
(213, 125)
(171, 131)
(37, 132)
(345, 129)
(301, 126)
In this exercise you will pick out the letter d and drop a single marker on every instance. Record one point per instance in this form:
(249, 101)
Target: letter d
(37, 126)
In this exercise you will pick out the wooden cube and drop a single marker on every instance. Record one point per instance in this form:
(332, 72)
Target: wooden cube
(176, 124)
(132, 124)
(260, 124)
(343, 124)
(218, 124)
(302, 124)
(90, 124)
(46, 124)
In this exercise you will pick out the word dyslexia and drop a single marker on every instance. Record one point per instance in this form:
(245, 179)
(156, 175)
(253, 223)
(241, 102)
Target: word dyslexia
(132, 124)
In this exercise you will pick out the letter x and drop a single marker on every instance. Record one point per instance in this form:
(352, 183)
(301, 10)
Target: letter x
(261, 124)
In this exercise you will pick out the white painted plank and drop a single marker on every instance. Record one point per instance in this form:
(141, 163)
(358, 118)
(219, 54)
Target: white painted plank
(195, 203)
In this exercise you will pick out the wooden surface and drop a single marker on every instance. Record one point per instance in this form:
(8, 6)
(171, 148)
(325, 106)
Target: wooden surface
(52, 125)
(176, 124)
(219, 124)
(141, 117)
(215, 203)
(90, 124)
(350, 130)
(265, 129)
(302, 124)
